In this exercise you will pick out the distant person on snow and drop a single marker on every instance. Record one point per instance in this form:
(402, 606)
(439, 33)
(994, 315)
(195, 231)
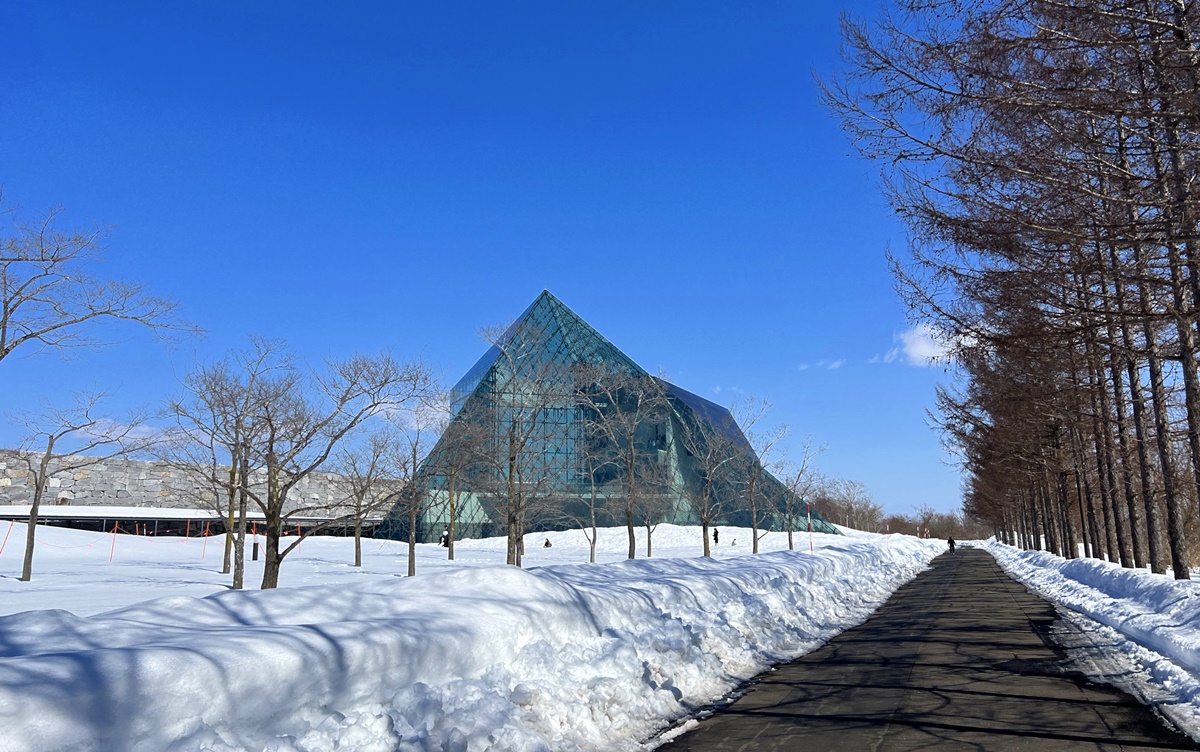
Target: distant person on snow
(716, 537)
(444, 542)
(547, 544)
(951, 542)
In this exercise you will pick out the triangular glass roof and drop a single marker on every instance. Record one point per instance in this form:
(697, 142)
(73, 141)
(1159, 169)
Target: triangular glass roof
(718, 417)
(555, 331)
(563, 336)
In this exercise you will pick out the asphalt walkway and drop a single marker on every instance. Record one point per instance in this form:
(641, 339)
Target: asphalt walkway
(959, 658)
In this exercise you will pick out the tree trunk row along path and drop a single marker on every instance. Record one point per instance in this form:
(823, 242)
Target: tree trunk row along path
(959, 658)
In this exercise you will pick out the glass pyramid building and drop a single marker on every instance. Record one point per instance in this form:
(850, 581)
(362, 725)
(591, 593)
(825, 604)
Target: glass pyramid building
(524, 427)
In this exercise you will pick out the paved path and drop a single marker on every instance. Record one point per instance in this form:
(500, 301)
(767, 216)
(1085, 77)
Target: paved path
(954, 660)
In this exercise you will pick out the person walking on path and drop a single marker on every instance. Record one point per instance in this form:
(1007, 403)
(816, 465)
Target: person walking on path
(950, 540)
(715, 536)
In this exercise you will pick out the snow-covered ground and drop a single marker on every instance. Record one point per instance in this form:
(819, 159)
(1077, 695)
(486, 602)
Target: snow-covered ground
(1132, 628)
(469, 654)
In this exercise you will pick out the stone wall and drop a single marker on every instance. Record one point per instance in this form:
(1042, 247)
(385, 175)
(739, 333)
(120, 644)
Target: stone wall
(137, 483)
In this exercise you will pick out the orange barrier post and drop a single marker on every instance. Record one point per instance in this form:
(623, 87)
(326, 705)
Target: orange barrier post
(187, 533)
(113, 549)
(204, 550)
(5, 543)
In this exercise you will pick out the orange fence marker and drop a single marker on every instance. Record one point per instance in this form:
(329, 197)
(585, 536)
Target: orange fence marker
(114, 542)
(5, 543)
(204, 550)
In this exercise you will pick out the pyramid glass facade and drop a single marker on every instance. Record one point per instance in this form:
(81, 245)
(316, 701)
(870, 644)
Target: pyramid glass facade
(555, 422)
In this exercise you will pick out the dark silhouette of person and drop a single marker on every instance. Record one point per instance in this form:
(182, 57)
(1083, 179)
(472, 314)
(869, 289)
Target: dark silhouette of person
(715, 536)
(445, 541)
(951, 542)
(547, 544)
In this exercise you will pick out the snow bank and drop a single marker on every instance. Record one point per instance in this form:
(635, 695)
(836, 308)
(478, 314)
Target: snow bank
(1154, 610)
(566, 657)
(1137, 630)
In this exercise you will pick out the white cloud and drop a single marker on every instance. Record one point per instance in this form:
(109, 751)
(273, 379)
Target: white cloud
(921, 345)
(828, 364)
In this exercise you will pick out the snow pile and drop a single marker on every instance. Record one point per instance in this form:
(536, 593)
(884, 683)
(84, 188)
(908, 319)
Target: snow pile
(1153, 620)
(560, 657)
(1156, 611)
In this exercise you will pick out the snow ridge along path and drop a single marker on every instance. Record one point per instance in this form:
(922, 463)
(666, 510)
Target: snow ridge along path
(566, 657)
(1142, 629)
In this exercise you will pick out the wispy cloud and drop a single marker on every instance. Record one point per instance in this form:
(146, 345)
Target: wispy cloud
(802, 367)
(921, 345)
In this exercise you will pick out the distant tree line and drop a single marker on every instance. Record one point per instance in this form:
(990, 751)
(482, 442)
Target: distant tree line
(1044, 156)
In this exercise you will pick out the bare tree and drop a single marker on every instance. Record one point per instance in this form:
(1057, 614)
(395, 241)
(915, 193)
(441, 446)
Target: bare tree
(849, 502)
(658, 495)
(65, 440)
(416, 430)
(752, 465)
(800, 477)
(51, 298)
(1044, 157)
(362, 471)
(216, 426)
(523, 422)
(449, 467)
(298, 418)
(600, 467)
(626, 411)
(714, 449)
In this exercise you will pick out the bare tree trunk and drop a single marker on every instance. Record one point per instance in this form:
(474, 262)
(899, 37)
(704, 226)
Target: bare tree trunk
(227, 558)
(1086, 532)
(595, 532)
(39, 488)
(512, 514)
(1154, 544)
(1105, 447)
(629, 529)
(358, 521)
(239, 546)
(753, 515)
(453, 501)
(1137, 538)
(273, 514)
(1064, 509)
(413, 515)
(630, 490)
(272, 560)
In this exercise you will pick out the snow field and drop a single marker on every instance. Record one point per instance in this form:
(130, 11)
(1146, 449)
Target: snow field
(1149, 621)
(462, 657)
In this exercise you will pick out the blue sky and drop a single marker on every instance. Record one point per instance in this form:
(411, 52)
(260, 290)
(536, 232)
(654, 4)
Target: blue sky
(375, 176)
